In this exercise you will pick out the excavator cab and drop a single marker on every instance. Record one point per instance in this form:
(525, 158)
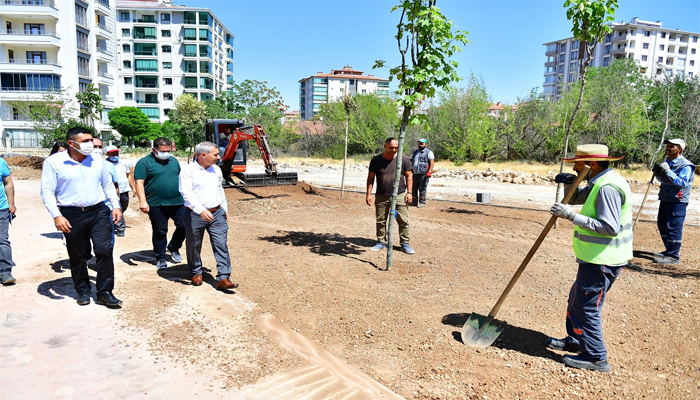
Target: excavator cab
(231, 135)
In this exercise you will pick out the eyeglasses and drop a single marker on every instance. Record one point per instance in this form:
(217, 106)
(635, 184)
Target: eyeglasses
(97, 146)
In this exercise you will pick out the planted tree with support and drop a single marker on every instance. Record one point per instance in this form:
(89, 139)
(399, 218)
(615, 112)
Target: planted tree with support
(426, 42)
(90, 103)
(350, 107)
(590, 20)
(189, 115)
(45, 115)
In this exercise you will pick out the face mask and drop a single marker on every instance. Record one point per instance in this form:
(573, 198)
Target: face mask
(97, 152)
(113, 159)
(162, 155)
(85, 148)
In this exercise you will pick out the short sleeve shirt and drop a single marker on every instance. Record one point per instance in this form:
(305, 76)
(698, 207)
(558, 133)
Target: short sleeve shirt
(385, 172)
(161, 180)
(4, 171)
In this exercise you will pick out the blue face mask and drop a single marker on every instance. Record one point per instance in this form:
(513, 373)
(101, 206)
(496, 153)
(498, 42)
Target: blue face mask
(113, 158)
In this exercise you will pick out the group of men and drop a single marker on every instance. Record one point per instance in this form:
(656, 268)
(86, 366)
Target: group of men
(80, 190)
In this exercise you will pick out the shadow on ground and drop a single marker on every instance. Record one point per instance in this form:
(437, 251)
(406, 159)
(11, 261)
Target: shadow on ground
(53, 235)
(136, 257)
(678, 271)
(60, 265)
(59, 289)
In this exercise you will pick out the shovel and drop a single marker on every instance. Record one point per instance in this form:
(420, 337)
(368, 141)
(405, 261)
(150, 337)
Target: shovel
(480, 331)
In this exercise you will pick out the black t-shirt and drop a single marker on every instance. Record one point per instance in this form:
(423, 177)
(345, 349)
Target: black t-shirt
(385, 172)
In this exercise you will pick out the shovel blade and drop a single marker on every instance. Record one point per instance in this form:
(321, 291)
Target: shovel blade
(480, 331)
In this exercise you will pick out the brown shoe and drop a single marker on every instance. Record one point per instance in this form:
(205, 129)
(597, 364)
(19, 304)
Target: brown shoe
(197, 280)
(226, 284)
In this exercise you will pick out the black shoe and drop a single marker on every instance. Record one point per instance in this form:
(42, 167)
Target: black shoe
(83, 299)
(6, 279)
(561, 345)
(581, 362)
(120, 234)
(108, 299)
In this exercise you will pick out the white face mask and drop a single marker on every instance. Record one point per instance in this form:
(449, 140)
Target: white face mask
(162, 155)
(85, 148)
(97, 152)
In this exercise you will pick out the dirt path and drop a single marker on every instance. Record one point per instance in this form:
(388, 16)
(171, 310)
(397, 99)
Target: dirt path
(316, 315)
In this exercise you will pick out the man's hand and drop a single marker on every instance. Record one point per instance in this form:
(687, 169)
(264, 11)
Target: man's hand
(62, 224)
(368, 200)
(562, 211)
(116, 215)
(665, 167)
(143, 206)
(566, 179)
(206, 216)
(409, 198)
(13, 209)
(428, 174)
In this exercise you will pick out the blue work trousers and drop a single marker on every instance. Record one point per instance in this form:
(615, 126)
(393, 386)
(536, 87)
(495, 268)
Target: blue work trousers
(6, 262)
(670, 222)
(583, 315)
(420, 188)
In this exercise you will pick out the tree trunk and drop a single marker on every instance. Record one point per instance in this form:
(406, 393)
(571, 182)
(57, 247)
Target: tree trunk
(394, 194)
(345, 156)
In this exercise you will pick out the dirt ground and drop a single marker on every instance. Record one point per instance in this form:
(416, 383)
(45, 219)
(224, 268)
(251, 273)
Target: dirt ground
(318, 316)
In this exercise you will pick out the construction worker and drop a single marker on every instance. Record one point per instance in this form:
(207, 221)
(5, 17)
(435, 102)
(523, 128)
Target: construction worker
(676, 175)
(423, 161)
(603, 245)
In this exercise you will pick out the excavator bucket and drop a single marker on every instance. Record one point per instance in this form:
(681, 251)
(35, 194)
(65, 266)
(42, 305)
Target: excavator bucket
(252, 179)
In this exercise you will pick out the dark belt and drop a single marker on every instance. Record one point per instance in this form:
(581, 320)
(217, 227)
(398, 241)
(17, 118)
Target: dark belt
(211, 210)
(87, 208)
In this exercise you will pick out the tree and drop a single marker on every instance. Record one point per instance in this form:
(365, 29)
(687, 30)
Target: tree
(45, 115)
(189, 114)
(130, 122)
(426, 42)
(90, 103)
(252, 93)
(350, 107)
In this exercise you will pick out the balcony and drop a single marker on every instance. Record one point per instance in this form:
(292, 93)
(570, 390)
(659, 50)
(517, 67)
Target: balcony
(102, 6)
(621, 50)
(104, 52)
(146, 21)
(104, 28)
(82, 22)
(84, 72)
(104, 74)
(27, 36)
(618, 38)
(146, 53)
(31, 66)
(139, 101)
(29, 7)
(550, 51)
(108, 99)
(143, 36)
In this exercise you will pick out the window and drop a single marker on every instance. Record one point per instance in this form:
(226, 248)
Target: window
(663, 35)
(695, 39)
(83, 66)
(190, 50)
(147, 81)
(167, 96)
(167, 81)
(190, 17)
(165, 17)
(146, 65)
(166, 49)
(165, 33)
(190, 82)
(128, 96)
(144, 33)
(126, 32)
(692, 63)
(128, 80)
(127, 64)
(82, 39)
(167, 65)
(574, 45)
(690, 74)
(81, 15)
(124, 16)
(645, 45)
(82, 87)
(661, 47)
(571, 77)
(145, 49)
(204, 34)
(644, 58)
(126, 48)
(660, 59)
(561, 69)
(692, 51)
(647, 33)
(574, 55)
(151, 113)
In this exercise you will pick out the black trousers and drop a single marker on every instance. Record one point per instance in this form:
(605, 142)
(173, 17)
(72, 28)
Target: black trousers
(159, 216)
(95, 223)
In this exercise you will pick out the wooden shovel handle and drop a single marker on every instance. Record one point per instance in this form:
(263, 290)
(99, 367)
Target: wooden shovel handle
(641, 207)
(538, 242)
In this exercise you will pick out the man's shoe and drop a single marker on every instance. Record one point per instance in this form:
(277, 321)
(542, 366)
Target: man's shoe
(658, 255)
(83, 299)
(175, 255)
(225, 284)
(120, 234)
(161, 264)
(666, 260)
(420, 205)
(197, 280)
(107, 299)
(581, 362)
(407, 249)
(561, 345)
(6, 279)
(378, 246)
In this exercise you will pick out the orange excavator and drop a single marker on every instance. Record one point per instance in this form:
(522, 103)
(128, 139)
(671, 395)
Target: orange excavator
(231, 135)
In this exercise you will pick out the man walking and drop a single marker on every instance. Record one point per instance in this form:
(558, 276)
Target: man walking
(7, 213)
(206, 209)
(125, 184)
(156, 178)
(74, 185)
(423, 161)
(603, 245)
(383, 167)
(676, 175)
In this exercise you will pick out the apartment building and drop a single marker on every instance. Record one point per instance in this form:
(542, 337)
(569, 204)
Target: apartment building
(164, 50)
(47, 46)
(324, 88)
(658, 51)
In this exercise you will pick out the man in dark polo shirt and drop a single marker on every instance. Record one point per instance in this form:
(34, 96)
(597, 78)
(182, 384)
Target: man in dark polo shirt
(383, 167)
(157, 177)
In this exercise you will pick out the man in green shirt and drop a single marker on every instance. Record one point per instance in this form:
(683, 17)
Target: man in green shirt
(157, 177)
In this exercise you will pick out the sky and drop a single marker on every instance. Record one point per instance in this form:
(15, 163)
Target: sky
(283, 41)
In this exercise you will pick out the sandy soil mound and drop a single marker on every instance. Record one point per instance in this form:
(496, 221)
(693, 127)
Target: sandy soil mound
(32, 162)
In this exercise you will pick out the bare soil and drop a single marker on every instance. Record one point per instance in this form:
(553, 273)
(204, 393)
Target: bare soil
(308, 280)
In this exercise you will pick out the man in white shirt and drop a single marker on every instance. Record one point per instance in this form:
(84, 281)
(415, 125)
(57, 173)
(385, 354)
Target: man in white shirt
(126, 185)
(206, 208)
(74, 185)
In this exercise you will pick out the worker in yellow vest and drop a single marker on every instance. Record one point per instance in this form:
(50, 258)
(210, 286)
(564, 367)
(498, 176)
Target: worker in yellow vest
(603, 245)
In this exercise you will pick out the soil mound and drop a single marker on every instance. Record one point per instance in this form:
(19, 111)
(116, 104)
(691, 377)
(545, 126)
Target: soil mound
(33, 162)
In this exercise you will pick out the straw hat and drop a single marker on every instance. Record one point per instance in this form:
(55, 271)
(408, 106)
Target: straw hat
(592, 152)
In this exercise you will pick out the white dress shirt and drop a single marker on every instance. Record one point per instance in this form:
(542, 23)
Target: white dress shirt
(202, 188)
(68, 183)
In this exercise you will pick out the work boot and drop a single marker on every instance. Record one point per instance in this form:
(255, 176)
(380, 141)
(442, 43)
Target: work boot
(666, 260)
(561, 345)
(378, 246)
(6, 279)
(580, 361)
(107, 299)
